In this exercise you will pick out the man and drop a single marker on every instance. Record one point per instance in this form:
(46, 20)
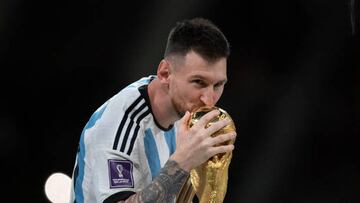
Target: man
(131, 150)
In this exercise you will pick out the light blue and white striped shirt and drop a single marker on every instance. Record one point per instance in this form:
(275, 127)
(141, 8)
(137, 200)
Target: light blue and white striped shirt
(122, 148)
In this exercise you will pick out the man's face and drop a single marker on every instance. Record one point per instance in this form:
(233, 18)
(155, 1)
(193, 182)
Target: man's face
(194, 82)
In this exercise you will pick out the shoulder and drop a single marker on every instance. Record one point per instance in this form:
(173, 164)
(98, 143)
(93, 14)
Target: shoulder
(117, 123)
(129, 97)
(130, 100)
(132, 109)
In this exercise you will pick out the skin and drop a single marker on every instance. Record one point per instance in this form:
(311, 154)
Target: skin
(185, 83)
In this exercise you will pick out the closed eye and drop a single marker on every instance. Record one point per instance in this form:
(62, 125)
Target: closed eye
(199, 82)
(219, 84)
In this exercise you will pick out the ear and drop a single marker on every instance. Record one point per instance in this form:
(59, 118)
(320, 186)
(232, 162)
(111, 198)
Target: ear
(163, 71)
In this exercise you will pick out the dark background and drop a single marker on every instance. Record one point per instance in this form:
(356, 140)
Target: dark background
(293, 88)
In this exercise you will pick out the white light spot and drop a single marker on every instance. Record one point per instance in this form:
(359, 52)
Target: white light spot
(57, 188)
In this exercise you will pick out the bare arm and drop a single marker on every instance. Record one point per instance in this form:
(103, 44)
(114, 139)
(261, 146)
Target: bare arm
(165, 186)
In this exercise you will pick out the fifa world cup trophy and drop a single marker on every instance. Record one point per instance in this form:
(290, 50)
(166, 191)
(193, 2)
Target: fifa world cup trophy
(209, 180)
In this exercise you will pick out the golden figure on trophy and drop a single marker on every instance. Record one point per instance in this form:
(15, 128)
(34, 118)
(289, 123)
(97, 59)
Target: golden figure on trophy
(209, 180)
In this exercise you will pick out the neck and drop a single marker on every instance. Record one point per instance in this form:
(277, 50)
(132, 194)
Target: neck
(161, 105)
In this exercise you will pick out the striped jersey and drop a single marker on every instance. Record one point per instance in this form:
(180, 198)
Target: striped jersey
(121, 148)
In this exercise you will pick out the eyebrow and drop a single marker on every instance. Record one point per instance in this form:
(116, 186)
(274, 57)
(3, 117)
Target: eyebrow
(204, 78)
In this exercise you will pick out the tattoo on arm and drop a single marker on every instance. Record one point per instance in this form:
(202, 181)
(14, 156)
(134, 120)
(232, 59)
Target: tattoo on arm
(165, 186)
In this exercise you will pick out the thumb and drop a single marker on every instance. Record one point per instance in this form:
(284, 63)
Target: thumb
(184, 121)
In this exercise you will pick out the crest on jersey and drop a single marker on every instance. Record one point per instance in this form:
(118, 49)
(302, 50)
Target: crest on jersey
(120, 173)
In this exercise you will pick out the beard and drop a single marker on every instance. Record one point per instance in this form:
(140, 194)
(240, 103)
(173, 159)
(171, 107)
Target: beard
(180, 107)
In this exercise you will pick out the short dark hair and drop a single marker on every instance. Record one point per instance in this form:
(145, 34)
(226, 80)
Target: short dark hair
(199, 35)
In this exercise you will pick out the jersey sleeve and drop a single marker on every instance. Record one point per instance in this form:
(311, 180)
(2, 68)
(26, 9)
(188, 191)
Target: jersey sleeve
(111, 164)
(115, 175)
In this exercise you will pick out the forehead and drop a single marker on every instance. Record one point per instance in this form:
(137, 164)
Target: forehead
(193, 65)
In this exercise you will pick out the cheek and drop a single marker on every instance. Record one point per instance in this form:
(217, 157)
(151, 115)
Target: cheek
(188, 95)
(174, 87)
(218, 95)
(192, 95)
(180, 91)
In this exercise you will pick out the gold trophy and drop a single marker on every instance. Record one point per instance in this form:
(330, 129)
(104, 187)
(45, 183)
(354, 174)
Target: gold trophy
(209, 180)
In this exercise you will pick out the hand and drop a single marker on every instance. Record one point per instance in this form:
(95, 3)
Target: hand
(195, 145)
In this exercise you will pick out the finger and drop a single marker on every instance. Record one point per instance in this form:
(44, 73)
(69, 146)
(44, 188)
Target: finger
(221, 149)
(206, 119)
(222, 138)
(184, 121)
(214, 127)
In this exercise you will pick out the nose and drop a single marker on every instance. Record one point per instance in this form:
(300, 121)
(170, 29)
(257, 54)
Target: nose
(208, 97)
